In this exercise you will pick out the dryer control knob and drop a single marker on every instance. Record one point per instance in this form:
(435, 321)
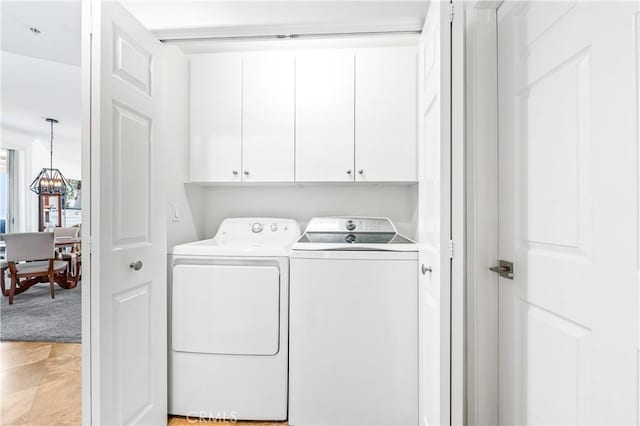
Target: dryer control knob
(274, 227)
(256, 227)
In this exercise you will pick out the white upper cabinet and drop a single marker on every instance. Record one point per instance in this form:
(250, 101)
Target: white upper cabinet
(216, 118)
(385, 114)
(268, 117)
(324, 116)
(335, 115)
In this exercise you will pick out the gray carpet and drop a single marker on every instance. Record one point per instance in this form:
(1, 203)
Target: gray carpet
(36, 317)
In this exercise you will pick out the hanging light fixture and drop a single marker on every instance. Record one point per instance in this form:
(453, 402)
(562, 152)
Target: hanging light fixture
(50, 181)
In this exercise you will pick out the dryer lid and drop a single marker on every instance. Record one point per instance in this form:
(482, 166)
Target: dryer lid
(248, 236)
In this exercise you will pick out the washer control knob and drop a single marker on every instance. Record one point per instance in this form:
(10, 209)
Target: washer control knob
(351, 225)
(256, 227)
(274, 227)
(350, 238)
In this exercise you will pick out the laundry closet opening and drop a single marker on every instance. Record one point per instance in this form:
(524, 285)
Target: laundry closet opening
(214, 152)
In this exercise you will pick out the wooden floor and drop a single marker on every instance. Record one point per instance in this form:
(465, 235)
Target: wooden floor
(40, 384)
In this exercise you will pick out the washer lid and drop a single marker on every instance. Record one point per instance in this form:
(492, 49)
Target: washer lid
(353, 234)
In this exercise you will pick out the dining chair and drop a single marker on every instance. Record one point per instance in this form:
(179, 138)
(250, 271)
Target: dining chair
(31, 256)
(66, 232)
(72, 256)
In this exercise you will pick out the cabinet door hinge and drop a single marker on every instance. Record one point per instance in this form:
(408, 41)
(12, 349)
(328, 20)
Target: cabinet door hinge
(450, 249)
(451, 12)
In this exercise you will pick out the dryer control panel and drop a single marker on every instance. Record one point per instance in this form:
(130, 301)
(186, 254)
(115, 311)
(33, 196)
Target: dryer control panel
(258, 231)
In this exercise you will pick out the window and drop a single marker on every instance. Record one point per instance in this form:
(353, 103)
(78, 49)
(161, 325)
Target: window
(8, 194)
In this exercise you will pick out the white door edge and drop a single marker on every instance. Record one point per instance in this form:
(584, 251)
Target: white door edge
(481, 214)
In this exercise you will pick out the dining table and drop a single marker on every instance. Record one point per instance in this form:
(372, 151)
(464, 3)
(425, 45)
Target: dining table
(59, 242)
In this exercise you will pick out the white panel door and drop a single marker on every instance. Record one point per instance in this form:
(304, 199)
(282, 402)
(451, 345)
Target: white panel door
(216, 118)
(385, 114)
(434, 215)
(268, 83)
(568, 216)
(128, 231)
(324, 116)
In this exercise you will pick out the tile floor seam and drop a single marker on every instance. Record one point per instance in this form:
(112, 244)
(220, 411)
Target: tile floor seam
(35, 395)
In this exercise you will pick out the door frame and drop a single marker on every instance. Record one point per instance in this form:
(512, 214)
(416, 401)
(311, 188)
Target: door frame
(457, 200)
(481, 212)
(87, 353)
(453, 372)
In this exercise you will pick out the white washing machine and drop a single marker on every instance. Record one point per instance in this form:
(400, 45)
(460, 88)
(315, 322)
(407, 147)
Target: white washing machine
(353, 342)
(228, 354)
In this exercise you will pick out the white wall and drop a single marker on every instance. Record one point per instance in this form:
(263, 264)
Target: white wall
(187, 199)
(303, 201)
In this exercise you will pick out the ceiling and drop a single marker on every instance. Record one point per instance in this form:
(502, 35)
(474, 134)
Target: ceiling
(33, 89)
(40, 73)
(59, 25)
(169, 19)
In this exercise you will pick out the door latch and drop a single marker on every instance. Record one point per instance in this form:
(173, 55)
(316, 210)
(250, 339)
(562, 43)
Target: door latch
(504, 269)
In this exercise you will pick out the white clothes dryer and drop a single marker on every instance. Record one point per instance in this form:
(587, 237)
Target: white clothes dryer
(228, 354)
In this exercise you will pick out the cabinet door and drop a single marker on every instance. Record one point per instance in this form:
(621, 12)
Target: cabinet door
(268, 117)
(324, 116)
(385, 113)
(216, 118)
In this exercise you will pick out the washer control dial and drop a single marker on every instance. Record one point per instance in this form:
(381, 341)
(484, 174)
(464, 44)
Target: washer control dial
(256, 227)
(351, 225)
(274, 227)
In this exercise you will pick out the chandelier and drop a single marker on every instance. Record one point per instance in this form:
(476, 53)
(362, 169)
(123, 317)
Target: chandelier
(50, 180)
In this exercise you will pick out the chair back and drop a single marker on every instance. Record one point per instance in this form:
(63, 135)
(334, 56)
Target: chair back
(66, 232)
(29, 246)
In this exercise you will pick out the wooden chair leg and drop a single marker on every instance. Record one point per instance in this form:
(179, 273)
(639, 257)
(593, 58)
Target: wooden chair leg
(52, 282)
(2, 281)
(12, 290)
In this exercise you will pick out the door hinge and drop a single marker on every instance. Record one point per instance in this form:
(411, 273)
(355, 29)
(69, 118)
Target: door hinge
(450, 249)
(451, 12)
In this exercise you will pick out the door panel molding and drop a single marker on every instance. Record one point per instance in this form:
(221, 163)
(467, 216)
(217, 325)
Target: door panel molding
(131, 62)
(132, 351)
(132, 199)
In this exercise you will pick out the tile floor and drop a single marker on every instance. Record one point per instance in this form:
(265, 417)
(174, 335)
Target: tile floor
(40, 384)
